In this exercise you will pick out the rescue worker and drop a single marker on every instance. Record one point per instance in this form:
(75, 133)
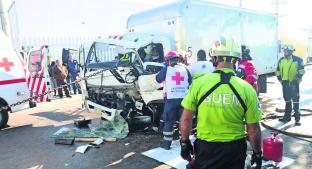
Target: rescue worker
(225, 104)
(73, 71)
(247, 70)
(176, 79)
(201, 67)
(290, 70)
(51, 67)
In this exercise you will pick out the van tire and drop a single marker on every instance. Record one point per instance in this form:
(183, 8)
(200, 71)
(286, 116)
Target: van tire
(4, 118)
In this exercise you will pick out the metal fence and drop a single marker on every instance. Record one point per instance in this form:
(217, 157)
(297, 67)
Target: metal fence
(55, 43)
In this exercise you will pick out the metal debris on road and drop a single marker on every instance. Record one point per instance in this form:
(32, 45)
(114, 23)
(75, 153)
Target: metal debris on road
(97, 142)
(82, 123)
(117, 128)
(64, 141)
(82, 149)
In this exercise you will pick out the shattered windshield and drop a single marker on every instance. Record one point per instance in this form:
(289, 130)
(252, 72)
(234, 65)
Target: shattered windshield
(102, 52)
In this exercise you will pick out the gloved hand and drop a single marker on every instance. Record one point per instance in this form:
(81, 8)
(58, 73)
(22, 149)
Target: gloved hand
(298, 80)
(186, 149)
(256, 158)
(279, 79)
(295, 82)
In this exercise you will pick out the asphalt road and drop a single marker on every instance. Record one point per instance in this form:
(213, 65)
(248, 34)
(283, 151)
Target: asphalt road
(27, 142)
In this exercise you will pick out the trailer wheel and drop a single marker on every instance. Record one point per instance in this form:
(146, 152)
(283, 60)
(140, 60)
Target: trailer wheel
(4, 117)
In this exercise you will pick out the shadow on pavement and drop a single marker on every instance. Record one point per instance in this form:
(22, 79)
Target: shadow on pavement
(59, 116)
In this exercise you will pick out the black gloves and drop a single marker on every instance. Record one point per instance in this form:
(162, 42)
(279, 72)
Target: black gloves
(256, 158)
(279, 78)
(186, 149)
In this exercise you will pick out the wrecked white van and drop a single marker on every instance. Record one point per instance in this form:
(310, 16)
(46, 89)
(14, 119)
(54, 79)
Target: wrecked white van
(126, 87)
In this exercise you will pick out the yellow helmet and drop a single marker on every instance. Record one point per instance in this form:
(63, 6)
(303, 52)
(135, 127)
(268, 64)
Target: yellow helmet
(226, 46)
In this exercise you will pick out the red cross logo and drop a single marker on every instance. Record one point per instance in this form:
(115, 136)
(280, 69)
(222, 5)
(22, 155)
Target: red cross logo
(6, 64)
(178, 78)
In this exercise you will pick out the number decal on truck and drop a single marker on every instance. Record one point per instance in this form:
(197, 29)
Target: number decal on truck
(189, 51)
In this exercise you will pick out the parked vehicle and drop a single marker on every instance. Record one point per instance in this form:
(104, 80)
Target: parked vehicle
(38, 76)
(13, 85)
(129, 87)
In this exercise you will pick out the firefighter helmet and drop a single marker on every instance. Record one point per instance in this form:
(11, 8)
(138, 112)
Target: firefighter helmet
(226, 46)
(288, 47)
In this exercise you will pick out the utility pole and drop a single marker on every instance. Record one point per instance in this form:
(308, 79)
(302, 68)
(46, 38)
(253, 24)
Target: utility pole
(241, 22)
(3, 19)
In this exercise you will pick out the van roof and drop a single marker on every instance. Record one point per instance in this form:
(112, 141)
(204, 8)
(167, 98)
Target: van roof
(117, 42)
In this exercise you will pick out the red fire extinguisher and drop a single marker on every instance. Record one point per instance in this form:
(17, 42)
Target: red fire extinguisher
(273, 148)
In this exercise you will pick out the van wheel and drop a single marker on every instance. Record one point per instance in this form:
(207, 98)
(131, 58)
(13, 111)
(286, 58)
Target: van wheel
(4, 117)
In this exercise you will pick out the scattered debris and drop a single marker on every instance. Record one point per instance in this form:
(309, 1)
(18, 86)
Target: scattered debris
(97, 142)
(110, 139)
(110, 130)
(82, 123)
(107, 131)
(64, 141)
(82, 149)
(91, 139)
(85, 139)
(62, 130)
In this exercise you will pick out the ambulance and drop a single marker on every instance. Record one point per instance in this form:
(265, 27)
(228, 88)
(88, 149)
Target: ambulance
(13, 84)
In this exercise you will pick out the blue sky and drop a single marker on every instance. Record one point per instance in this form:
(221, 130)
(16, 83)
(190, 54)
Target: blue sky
(105, 17)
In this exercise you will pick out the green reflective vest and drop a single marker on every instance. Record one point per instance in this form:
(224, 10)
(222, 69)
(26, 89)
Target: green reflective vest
(290, 68)
(221, 117)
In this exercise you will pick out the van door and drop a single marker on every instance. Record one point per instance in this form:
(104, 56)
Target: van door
(38, 78)
(151, 91)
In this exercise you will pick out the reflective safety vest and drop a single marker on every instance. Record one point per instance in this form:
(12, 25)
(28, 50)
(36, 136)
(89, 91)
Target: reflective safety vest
(225, 79)
(177, 82)
(224, 103)
(290, 68)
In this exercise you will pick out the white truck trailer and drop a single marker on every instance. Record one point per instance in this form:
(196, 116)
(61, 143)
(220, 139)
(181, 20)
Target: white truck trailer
(128, 86)
(191, 25)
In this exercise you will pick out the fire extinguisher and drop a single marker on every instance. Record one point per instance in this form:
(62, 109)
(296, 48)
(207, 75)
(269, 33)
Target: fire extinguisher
(273, 148)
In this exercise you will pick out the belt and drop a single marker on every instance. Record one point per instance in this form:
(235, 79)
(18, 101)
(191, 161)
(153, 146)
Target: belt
(239, 141)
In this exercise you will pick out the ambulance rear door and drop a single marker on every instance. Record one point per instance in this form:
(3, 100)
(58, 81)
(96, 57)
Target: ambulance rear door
(38, 78)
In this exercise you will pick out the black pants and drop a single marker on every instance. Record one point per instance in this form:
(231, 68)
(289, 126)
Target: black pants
(291, 97)
(60, 83)
(220, 155)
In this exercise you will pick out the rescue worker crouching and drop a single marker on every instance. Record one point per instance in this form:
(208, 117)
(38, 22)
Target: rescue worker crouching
(176, 79)
(226, 105)
(247, 70)
(290, 70)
